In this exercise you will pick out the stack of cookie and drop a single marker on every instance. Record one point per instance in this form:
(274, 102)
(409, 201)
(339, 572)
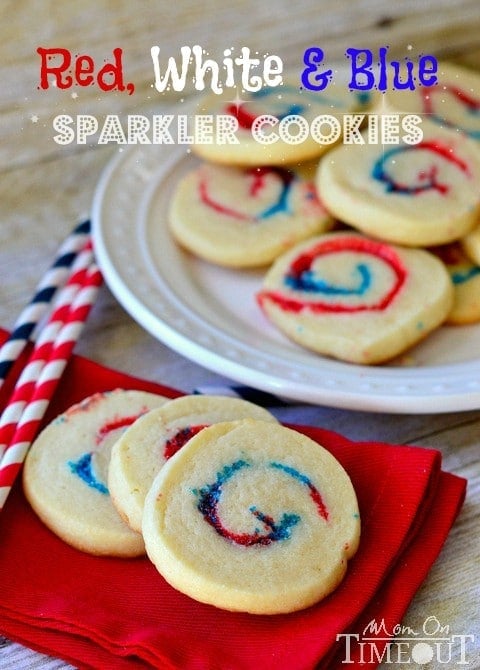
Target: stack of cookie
(354, 236)
(233, 509)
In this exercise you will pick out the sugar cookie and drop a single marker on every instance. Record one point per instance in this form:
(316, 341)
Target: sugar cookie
(355, 298)
(244, 217)
(288, 107)
(252, 516)
(471, 245)
(416, 195)
(144, 448)
(453, 102)
(65, 472)
(465, 276)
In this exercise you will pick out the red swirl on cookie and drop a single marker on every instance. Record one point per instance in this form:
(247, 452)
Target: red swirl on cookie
(371, 275)
(273, 183)
(467, 105)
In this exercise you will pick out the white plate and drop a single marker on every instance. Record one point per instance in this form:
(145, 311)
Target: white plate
(209, 314)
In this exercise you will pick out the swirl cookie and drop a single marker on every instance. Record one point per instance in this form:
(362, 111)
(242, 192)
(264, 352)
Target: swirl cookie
(355, 298)
(273, 125)
(453, 102)
(146, 446)
(465, 276)
(244, 217)
(471, 245)
(417, 195)
(65, 473)
(252, 516)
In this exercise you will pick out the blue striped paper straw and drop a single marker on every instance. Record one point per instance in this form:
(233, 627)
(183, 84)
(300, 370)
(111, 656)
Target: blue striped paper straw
(36, 309)
(262, 398)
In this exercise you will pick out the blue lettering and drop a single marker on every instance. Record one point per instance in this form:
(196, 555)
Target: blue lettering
(427, 70)
(367, 74)
(361, 69)
(313, 58)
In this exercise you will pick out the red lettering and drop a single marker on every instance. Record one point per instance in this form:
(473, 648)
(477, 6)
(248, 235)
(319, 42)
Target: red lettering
(82, 72)
(84, 69)
(110, 76)
(47, 67)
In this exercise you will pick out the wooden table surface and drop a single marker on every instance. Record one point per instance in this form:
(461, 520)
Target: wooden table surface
(45, 188)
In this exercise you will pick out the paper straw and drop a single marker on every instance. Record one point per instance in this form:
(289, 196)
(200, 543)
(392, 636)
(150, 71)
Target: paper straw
(31, 315)
(262, 398)
(26, 382)
(46, 383)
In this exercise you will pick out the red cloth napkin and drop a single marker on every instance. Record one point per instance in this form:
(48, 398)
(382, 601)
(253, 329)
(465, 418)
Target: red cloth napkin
(117, 614)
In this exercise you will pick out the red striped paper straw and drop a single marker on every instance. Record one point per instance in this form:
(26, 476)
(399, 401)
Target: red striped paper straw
(46, 383)
(26, 382)
(37, 308)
